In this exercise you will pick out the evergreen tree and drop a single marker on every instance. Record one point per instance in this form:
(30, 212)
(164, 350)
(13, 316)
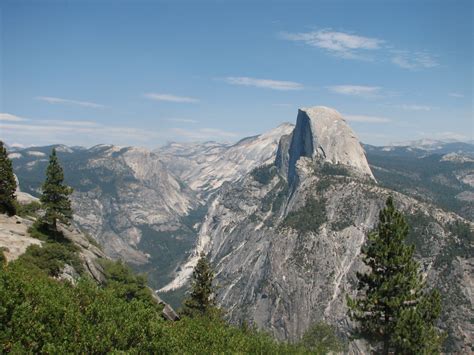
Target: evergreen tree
(394, 298)
(201, 301)
(414, 331)
(7, 183)
(55, 197)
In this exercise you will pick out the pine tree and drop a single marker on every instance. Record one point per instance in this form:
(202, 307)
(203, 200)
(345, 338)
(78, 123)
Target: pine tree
(55, 196)
(415, 332)
(393, 290)
(7, 183)
(201, 300)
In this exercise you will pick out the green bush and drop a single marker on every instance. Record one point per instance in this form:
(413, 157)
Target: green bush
(28, 210)
(41, 315)
(51, 257)
(125, 283)
(41, 231)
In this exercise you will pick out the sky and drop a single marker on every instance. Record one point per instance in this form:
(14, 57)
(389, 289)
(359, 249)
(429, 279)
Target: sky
(146, 73)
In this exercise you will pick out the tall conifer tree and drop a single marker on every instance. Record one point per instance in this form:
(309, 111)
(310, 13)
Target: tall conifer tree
(7, 183)
(394, 311)
(55, 197)
(201, 301)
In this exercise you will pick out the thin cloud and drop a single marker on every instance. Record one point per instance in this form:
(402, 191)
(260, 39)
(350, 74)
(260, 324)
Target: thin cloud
(98, 130)
(356, 90)
(71, 123)
(11, 118)
(90, 132)
(203, 133)
(444, 136)
(351, 46)
(57, 100)
(367, 119)
(414, 107)
(452, 136)
(413, 60)
(182, 120)
(48, 131)
(171, 98)
(264, 83)
(455, 94)
(340, 44)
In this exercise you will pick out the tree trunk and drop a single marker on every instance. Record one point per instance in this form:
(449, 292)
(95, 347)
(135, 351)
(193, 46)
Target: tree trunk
(385, 345)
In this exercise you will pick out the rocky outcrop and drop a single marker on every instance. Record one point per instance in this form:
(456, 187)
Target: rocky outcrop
(88, 251)
(14, 236)
(324, 136)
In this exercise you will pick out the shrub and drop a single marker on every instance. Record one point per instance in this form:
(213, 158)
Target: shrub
(28, 210)
(125, 283)
(321, 338)
(52, 257)
(264, 174)
(42, 315)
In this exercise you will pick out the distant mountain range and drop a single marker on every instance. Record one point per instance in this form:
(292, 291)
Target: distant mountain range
(281, 215)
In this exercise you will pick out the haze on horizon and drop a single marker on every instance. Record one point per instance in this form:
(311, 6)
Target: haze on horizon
(145, 73)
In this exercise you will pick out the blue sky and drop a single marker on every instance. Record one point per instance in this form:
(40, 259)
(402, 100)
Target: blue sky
(148, 72)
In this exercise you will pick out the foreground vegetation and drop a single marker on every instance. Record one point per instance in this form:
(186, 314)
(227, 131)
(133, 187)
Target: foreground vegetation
(42, 313)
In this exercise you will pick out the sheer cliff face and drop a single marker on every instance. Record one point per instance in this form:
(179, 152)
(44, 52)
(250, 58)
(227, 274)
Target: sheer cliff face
(322, 134)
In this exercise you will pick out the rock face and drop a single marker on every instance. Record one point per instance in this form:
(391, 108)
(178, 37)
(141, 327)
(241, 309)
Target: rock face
(206, 167)
(133, 190)
(14, 237)
(322, 134)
